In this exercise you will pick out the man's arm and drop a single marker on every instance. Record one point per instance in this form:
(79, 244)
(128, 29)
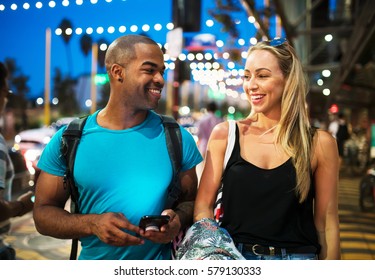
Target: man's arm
(185, 207)
(50, 216)
(182, 215)
(52, 219)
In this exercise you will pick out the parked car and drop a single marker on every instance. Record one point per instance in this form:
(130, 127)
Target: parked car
(62, 122)
(30, 143)
(23, 180)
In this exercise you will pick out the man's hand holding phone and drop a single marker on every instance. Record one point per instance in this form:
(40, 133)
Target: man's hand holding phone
(153, 222)
(161, 228)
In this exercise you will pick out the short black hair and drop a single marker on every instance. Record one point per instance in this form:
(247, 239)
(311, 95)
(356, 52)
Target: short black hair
(123, 49)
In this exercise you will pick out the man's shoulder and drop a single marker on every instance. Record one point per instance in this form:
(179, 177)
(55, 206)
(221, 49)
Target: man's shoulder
(154, 118)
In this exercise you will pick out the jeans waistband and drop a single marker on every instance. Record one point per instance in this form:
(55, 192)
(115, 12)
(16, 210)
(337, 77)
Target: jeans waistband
(260, 250)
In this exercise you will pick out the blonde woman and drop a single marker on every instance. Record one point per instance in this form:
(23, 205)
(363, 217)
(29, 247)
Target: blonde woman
(280, 184)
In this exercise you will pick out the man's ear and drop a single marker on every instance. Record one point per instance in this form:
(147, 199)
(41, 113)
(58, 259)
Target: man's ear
(117, 72)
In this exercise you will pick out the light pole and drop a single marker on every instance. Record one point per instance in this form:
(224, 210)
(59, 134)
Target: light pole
(47, 109)
(94, 65)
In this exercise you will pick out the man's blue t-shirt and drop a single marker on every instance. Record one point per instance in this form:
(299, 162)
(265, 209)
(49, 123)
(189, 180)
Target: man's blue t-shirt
(124, 171)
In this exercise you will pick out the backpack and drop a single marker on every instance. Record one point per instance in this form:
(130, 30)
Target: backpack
(69, 144)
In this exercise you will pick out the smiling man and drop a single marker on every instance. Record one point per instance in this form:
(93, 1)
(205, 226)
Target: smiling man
(122, 168)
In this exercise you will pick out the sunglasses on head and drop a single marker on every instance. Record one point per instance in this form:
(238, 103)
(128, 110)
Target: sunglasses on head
(276, 42)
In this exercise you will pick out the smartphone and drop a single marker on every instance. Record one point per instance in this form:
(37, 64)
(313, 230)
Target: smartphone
(153, 222)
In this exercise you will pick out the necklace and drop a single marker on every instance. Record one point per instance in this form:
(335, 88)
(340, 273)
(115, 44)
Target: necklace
(267, 131)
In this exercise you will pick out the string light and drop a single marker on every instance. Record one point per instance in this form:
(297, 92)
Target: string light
(40, 4)
(111, 29)
(206, 73)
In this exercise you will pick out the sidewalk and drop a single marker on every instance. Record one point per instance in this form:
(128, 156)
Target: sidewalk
(30, 245)
(357, 231)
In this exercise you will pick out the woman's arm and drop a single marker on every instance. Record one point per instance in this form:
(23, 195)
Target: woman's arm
(212, 172)
(326, 199)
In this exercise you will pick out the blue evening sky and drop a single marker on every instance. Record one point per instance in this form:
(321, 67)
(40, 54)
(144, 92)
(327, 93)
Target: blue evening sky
(22, 32)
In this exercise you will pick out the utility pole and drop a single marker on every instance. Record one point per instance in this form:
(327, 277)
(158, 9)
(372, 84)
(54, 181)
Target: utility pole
(176, 89)
(47, 79)
(175, 45)
(186, 15)
(94, 64)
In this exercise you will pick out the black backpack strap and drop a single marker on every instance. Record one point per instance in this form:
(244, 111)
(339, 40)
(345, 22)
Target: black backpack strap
(174, 145)
(69, 143)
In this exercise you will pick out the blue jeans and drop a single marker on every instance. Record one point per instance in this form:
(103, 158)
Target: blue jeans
(249, 255)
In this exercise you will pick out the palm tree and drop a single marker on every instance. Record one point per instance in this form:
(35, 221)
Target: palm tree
(18, 82)
(101, 53)
(64, 91)
(86, 45)
(64, 26)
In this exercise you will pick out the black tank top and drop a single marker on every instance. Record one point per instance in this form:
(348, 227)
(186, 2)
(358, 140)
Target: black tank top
(261, 206)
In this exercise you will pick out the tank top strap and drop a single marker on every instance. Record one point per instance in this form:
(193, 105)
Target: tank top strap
(235, 155)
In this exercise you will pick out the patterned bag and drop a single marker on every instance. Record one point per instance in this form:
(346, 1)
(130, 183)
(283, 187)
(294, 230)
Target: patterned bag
(205, 240)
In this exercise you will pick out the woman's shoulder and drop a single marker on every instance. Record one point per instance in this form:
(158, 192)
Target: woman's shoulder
(323, 136)
(325, 144)
(220, 131)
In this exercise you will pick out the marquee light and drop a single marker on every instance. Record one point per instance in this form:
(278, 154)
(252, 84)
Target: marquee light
(41, 4)
(219, 80)
(111, 29)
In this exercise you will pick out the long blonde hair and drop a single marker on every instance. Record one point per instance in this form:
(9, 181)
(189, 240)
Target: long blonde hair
(294, 130)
